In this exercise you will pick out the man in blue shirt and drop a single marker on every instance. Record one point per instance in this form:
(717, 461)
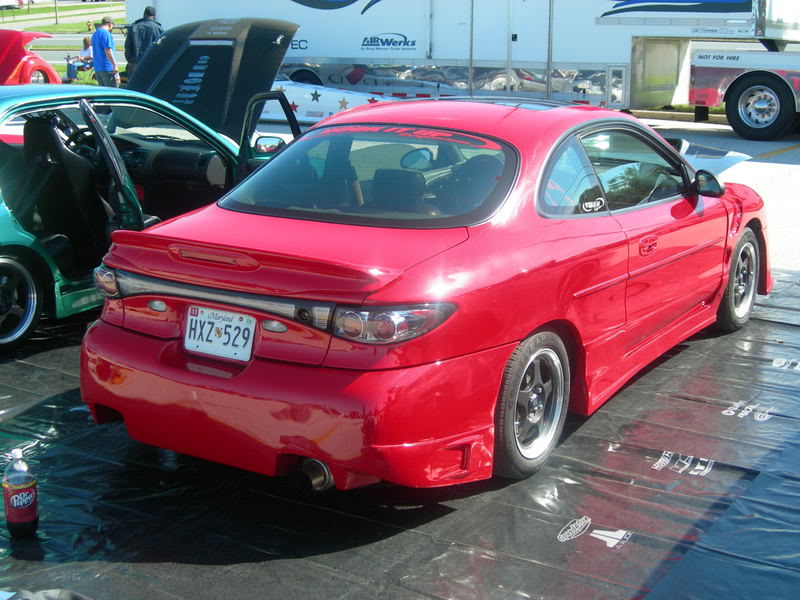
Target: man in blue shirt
(105, 65)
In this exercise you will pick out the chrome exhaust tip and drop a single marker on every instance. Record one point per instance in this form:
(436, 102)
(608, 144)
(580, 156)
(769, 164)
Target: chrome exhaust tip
(317, 474)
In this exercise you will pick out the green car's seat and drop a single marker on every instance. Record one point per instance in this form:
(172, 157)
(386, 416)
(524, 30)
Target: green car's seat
(60, 196)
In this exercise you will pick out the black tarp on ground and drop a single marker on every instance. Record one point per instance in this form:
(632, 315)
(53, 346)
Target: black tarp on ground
(686, 485)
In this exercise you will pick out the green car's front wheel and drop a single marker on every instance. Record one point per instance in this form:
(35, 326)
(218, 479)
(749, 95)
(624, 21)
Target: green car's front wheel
(20, 301)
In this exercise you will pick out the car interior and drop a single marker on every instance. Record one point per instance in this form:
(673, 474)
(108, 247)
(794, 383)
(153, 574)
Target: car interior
(632, 172)
(58, 184)
(377, 176)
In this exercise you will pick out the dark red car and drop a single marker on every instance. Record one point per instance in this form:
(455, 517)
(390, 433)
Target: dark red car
(20, 65)
(419, 292)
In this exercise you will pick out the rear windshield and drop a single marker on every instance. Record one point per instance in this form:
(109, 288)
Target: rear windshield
(382, 175)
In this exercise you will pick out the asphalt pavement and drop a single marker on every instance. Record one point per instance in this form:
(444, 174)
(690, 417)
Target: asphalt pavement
(773, 171)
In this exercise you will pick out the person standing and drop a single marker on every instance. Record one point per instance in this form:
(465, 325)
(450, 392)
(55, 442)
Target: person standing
(105, 65)
(141, 35)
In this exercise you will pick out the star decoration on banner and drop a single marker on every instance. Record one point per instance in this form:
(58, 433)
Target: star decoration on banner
(294, 106)
(343, 103)
(372, 100)
(315, 96)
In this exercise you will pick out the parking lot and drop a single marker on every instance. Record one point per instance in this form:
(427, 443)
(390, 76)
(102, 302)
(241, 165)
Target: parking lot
(669, 490)
(773, 172)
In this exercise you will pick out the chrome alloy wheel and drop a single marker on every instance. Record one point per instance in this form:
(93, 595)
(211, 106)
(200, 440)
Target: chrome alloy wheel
(759, 106)
(744, 280)
(540, 402)
(18, 301)
(38, 77)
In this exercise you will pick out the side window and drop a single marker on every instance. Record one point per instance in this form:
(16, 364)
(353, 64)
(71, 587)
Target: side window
(143, 124)
(571, 187)
(631, 171)
(175, 170)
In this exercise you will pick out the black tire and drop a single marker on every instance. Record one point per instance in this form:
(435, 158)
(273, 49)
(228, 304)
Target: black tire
(20, 301)
(761, 107)
(740, 291)
(39, 76)
(532, 406)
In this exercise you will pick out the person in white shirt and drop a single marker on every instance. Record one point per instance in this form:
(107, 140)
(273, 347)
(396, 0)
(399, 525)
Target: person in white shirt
(82, 61)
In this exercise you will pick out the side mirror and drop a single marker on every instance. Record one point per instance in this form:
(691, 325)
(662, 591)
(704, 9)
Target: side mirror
(267, 146)
(706, 184)
(419, 159)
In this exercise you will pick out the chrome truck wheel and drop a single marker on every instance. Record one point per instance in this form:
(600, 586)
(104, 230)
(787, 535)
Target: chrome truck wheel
(761, 107)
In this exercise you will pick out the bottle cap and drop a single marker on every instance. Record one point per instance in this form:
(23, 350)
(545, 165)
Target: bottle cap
(16, 454)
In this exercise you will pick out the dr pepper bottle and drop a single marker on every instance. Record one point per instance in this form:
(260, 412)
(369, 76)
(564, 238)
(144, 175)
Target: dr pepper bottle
(21, 497)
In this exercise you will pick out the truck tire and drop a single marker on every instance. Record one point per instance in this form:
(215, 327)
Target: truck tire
(761, 107)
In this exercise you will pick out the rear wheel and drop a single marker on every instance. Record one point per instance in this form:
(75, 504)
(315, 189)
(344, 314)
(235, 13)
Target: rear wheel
(532, 405)
(760, 107)
(740, 293)
(20, 301)
(39, 76)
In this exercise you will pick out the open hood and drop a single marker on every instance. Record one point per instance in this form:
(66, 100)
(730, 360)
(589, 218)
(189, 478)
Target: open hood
(211, 69)
(714, 160)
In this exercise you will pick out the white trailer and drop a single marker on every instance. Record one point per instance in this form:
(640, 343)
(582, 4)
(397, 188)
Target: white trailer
(617, 53)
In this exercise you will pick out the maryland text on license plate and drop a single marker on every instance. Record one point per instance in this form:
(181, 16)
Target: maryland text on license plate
(219, 333)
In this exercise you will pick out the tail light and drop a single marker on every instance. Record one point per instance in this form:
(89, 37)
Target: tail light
(105, 280)
(387, 325)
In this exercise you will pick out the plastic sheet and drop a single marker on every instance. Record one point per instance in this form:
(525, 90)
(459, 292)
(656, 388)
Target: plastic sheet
(684, 485)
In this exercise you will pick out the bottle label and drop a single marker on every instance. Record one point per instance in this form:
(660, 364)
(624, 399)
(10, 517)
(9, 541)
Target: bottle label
(21, 502)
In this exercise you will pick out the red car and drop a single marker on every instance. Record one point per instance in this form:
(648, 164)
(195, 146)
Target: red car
(20, 65)
(419, 292)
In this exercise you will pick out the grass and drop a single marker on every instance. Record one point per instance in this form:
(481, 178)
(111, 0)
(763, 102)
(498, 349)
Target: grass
(61, 28)
(61, 69)
(46, 15)
(48, 10)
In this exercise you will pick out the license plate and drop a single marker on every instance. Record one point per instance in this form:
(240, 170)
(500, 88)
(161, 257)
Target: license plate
(219, 333)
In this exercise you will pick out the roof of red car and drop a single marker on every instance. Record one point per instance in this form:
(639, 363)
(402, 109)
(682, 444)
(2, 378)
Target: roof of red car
(516, 120)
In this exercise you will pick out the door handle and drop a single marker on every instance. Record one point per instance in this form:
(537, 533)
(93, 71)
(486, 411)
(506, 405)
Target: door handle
(648, 245)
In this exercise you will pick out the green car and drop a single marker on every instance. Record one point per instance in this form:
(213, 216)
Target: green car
(79, 162)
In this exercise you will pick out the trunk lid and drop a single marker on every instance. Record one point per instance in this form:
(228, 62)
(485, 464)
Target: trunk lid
(223, 249)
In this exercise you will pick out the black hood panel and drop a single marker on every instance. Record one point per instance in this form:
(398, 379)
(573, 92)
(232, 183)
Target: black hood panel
(211, 69)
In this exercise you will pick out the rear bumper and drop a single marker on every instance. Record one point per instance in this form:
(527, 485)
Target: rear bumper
(423, 426)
